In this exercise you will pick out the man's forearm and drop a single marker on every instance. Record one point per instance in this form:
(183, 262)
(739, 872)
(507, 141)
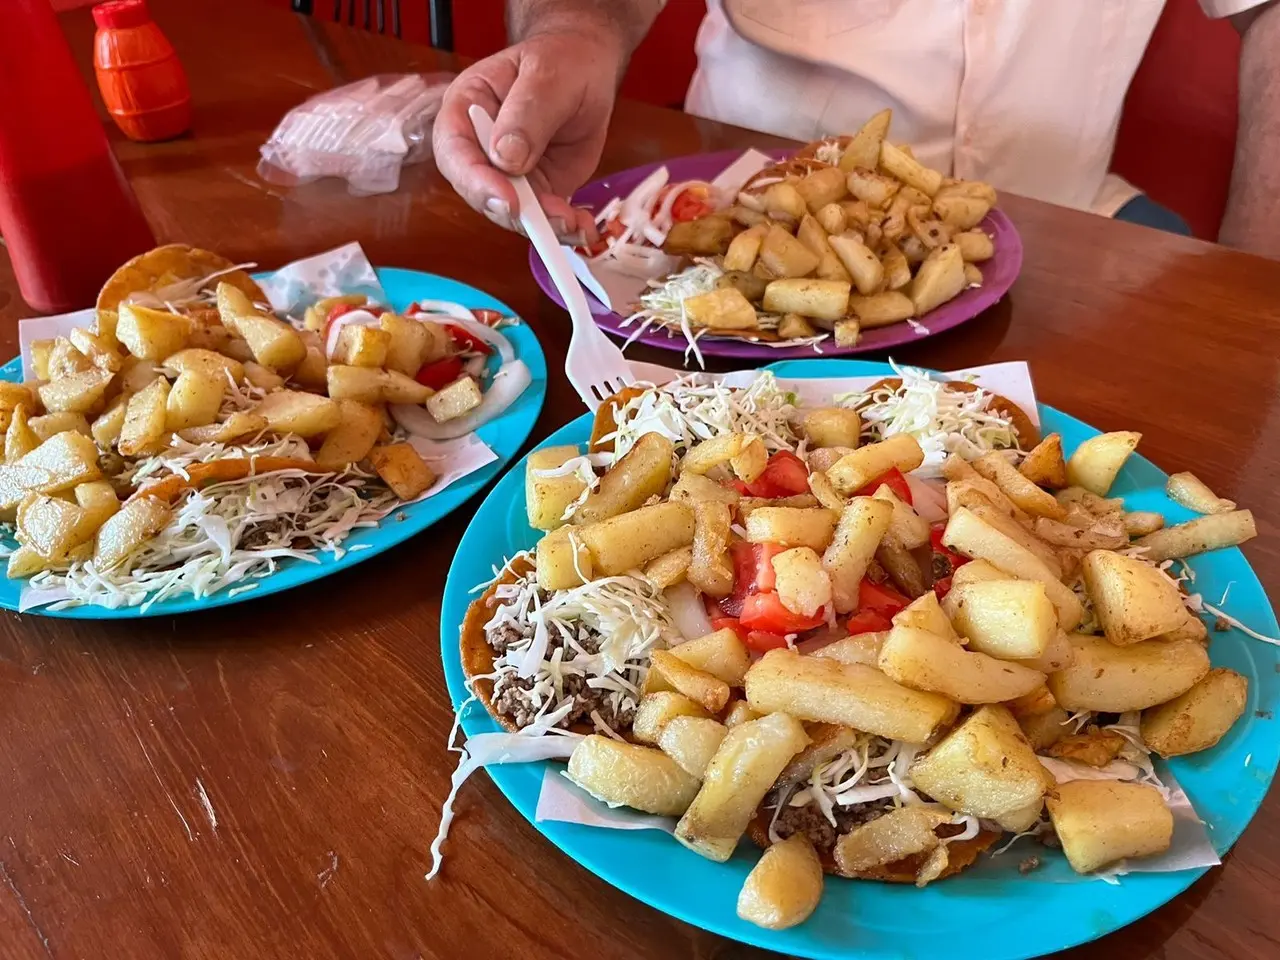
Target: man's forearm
(1252, 219)
(623, 21)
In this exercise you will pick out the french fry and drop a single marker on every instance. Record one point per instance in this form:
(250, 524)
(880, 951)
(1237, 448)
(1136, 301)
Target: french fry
(1213, 532)
(742, 771)
(967, 534)
(857, 534)
(710, 569)
(848, 694)
(910, 171)
(1017, 487)
(857, 469)
(881, 309)
(631, 775)
(744, 249)
(863, 151)
(1133, 600)
(925, 661)
(1096, 462)
(784, 886)
(1190, 491)
(701, 687)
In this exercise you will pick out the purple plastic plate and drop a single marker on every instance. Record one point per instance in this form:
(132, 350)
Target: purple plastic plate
(998, 275)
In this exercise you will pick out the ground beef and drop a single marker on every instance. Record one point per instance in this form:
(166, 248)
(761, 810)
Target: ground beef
(511, 693)
(261, 535)
(502, 637)
(810, 821)
(1029, 864)
(511, 699)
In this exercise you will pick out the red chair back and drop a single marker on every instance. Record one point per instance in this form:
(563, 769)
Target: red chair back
(1178, 130)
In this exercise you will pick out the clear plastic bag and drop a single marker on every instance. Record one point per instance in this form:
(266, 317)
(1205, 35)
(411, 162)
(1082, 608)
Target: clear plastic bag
(363, 132)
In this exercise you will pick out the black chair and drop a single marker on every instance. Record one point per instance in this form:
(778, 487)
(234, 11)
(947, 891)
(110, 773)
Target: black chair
(373, 16)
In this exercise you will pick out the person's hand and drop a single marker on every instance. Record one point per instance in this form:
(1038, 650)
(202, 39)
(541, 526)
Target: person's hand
(551, 96)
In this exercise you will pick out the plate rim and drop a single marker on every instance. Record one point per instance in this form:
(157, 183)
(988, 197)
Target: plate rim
(463, 490)
(1143, 893)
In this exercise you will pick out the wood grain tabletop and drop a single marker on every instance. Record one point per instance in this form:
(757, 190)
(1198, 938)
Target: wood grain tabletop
(264, 780)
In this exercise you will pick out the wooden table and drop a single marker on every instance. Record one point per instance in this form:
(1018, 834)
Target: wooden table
(263, 781)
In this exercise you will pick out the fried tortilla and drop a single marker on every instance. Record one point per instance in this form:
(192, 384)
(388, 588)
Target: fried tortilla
(166, 266)
(477, 655)
(961, 854)
(605, 423)
(797, 167)
(1028, 435)
(810, 150)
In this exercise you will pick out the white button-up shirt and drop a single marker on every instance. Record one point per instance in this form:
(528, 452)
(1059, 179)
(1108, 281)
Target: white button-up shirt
(1025, 94)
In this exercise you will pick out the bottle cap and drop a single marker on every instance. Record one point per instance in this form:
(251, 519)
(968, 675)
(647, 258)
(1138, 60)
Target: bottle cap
(121, 14)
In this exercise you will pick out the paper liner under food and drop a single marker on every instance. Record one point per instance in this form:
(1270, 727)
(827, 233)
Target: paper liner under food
(563, 801)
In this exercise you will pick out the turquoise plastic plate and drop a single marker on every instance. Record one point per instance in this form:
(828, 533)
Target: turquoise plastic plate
(1017, 917)
(504, 436)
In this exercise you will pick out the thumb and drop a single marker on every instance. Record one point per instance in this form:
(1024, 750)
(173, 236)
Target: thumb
(541, 101)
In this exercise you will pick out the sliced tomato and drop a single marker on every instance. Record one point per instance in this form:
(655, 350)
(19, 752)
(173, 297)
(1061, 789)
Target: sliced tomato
(869, 621)
(733, 483)
(727, 623)
(752, 573)
(763, 641)
(785, 475)
(762, 554)
(441, 373)
(692, 204)
(765, 611)
(880, 597)
(338, 309)
(612, 229)
(489, 318)
(942, 587)
(896, 482)
(467, 340)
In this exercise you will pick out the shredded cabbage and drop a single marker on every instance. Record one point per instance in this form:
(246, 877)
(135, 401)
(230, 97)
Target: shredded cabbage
(226, 534)
(942, 421)
(696, 408)
(625, 618)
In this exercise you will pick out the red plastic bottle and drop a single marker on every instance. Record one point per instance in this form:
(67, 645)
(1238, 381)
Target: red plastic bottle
(142, 81)
(67, 215)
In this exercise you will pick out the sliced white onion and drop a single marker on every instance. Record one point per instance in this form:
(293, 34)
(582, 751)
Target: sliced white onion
(662, 216)
(447, 308)
(482, 331)
(475, 367)
(636, 207)
(928, 497)
(352, 318)
(688, 611)
(508, 383)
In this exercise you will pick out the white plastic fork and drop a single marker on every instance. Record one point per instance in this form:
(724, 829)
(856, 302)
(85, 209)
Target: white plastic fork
(595, 365)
